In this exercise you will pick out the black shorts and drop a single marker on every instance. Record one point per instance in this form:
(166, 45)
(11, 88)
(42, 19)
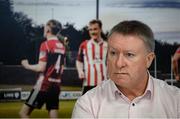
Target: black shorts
(50, 98)
(86, 88)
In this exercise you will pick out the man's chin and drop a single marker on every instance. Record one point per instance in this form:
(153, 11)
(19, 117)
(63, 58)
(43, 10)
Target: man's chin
(94, 38)
(120, 79)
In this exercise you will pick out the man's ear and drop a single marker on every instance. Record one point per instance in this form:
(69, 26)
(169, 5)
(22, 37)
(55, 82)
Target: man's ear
(149, 59)
(48, 29)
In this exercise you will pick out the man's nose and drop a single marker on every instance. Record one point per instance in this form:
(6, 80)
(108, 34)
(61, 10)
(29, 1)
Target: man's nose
(120, 63)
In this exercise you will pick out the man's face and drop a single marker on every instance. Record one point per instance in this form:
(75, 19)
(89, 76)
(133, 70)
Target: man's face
(94, 31)
(128, 60)
(46, 30)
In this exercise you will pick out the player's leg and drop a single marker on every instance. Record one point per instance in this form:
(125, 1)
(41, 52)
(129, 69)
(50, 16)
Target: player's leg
(35, 100)
(25, 111)
(26, 108)
(52, 103)
(53, 113)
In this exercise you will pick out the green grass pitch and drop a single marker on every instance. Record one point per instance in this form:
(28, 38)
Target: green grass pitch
(11, 109)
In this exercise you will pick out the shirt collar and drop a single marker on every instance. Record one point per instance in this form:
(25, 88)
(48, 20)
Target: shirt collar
(148, 92)
(52, 38)
(100, 42)
(150, 88)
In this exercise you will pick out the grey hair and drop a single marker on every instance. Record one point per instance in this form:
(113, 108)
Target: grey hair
(136, 28)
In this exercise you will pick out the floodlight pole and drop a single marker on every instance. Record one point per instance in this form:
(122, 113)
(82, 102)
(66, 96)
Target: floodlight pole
(97, 9)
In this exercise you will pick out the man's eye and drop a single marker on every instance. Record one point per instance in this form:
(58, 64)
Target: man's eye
(130, 55)
(112, 53)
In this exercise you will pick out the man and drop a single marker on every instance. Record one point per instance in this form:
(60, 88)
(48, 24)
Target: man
(91, 58)
(50, 66)
(131, 91)
(175, 60)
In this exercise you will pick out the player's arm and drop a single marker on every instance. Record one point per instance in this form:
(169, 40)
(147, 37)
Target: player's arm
(62, 63)
(79, 63)
(175, 59)
(40, 67)
(62, 69)
(79, 66)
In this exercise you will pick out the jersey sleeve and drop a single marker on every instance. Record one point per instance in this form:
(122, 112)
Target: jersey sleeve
(80, 52)
(55, 58)
(178, 50)
(43, 52)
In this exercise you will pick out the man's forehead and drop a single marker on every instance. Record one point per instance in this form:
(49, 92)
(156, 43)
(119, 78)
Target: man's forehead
(94, 25)
(130, 43)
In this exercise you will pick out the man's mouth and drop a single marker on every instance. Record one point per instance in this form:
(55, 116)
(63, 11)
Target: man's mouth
(94, 34)
(121, 73)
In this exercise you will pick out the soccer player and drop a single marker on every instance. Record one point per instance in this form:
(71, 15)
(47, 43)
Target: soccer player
(91, 57)
(50, 67)
(175, 65)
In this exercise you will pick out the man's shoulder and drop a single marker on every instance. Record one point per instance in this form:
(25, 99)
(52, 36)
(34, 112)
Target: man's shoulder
(43, 42)
(84, 43)
(43, 45)
(165, 88)
(100, 89)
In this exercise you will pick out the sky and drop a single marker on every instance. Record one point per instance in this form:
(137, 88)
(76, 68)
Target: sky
(162, 16)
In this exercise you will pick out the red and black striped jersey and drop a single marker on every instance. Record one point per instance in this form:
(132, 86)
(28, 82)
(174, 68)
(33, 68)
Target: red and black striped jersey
(53, 53)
